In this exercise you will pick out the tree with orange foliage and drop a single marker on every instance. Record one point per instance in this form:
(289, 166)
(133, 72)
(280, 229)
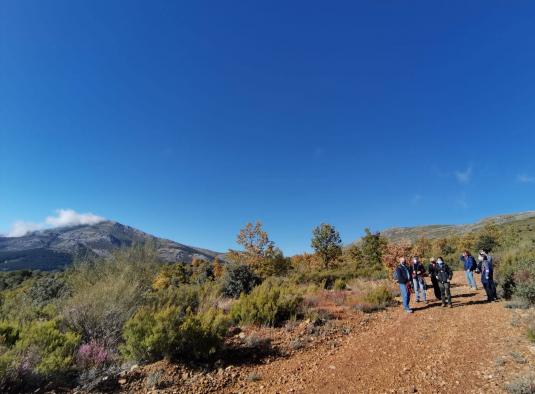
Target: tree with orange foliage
(259, 251)
(422, 247)
(218, 268)
(393, 251)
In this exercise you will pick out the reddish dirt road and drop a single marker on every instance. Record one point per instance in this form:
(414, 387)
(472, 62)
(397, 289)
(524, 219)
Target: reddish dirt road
(470, 348)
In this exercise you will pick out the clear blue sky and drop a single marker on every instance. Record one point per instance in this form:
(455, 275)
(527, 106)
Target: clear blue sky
(189, 119)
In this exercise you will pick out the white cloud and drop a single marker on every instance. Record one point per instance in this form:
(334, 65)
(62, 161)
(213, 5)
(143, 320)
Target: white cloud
(464, 176)
(69, 217)
(524, 178)
(64, 217)
(20, 228)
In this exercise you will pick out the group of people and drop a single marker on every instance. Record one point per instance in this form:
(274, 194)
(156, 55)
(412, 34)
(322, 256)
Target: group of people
(411, 278)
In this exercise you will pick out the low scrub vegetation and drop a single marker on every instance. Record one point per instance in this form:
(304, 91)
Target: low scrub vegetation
(271, 303)
(101, 313)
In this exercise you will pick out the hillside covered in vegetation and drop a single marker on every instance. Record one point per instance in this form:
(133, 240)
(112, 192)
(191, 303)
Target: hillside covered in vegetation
(91, 324)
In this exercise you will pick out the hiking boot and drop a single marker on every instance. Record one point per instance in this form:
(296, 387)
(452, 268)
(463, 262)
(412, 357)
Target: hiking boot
(408, 310)
(451, 306)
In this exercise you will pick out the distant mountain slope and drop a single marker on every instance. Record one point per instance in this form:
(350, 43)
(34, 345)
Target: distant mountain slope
(446, 230)
(54, 248)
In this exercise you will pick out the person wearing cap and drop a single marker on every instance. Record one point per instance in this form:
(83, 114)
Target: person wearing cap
(470, 266)
(432, 274)
(487, 276)
(444, 275)
(418, 281)
(402, 275)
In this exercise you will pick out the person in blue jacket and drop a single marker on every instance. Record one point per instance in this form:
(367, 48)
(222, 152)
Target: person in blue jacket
(403, 277)
(487, 276)
(470, 266)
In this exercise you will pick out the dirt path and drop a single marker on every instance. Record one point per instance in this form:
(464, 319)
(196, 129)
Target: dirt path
(470, 348)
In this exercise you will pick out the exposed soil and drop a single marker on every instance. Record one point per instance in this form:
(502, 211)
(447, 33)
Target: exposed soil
(470, 348)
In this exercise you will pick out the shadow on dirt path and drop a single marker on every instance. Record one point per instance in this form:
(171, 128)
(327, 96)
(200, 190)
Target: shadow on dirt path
(434, 350)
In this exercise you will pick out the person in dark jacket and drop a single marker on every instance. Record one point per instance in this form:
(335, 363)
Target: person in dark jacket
(432, 274)
(487, 277)
(418, 281)
(403, 277)
(470, 266)
(444, 275)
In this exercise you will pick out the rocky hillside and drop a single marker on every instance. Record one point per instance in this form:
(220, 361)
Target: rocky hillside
(55, 248)
(446, 230)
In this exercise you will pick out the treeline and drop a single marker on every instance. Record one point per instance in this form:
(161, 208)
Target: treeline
(87, 321)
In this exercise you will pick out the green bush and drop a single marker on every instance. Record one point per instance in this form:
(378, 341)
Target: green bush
(238, 279)
(107, 292)
(9, 334)
(339, 284)
(269, 304)
(379, 295)
(185, 297)
(7, 370)
(509, 268)
(47, 289)
(169, 333)
(50, 349)
(376, 299)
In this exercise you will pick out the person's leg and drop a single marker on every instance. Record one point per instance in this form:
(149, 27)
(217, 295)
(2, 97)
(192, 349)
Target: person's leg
(471, 279)
(447, 289)
(442, 293)
(488, 290)
(415, 286)
(422, 286)
(468, 280)
(493, 290)
(404, 296)
(436, 288)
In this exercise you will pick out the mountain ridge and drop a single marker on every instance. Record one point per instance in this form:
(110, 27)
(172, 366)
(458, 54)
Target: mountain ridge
(444, 230)
(54, 248)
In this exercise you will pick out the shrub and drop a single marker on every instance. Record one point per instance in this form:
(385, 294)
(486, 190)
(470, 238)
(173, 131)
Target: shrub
(524, 384)
(7, 370)
(46, 348)
(46, 289)
(339, 284)
(154, 334)
(201, 271)
(185, 297)
(93, 355)
(170, 275)
(9, 334)
(238, 279)
(106, 293)
(525, 283)
(379, 295)
(270, 304)
(374, 299)
(515, 274)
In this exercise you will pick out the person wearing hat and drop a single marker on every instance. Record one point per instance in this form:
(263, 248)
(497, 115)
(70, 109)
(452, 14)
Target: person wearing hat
(402, 275)
(487, 276)
(444, 275)
(434, 281)
(418, 281)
